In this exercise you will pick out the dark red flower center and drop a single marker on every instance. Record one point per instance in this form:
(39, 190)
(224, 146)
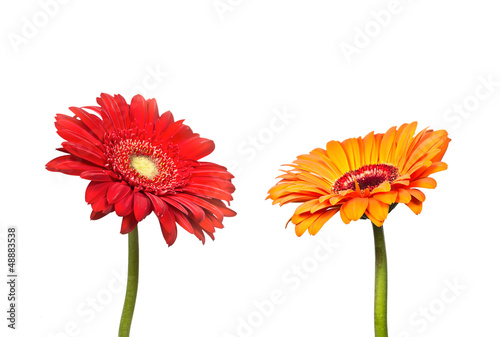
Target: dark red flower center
(149, 167)
(368, 176)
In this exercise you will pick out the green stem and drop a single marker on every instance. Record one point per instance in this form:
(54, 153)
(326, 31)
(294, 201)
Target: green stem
(132, 283)
(380, 283)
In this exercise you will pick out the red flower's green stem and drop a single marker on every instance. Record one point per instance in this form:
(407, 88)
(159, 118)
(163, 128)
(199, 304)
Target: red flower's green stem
(380, 283)
(132, 283)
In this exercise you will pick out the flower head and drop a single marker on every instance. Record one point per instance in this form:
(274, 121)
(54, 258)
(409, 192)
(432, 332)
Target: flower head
(362, 177)
(139, 162)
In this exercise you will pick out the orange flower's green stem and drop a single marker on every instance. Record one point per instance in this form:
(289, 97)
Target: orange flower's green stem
(132, 283)
(380, 283)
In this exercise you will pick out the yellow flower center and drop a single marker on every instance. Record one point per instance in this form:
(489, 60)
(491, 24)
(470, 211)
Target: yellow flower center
(145, 166)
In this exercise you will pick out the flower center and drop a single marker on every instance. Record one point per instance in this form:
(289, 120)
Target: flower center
(367, 177)
(144, 165)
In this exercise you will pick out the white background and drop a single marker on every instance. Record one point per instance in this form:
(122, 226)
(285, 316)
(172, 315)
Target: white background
(229, 72)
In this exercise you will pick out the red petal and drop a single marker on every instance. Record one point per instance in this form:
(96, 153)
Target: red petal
(175, 204)
(165, 120)
(96, 190)
(125, 206)
(215, 221)
(196, 148)
(168, 227)
(100, 205)
(208, 191)
(225, 210)
(198, 232)
(196, 210)
(118, 191)
(207, 225)
(171, 130)
(97, 175)
(128, 224)
(152, 114)
(138, 108)
(182, 221)
(98, 215)
(113, 110)
(74, 130)
(69, 165)
(208, 205)
(159, 205)
(142, 206)
(93, 122)
(220, 184)
(86, 153)
(124, 109)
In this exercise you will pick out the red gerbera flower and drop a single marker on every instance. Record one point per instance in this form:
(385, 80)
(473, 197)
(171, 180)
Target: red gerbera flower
(140, 162)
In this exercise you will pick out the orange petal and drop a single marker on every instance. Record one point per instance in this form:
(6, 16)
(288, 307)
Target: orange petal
(306, 207)
(351, 150)
(368, 142)
(419, 195)
(435, 167)
(415, 205)
(337, 155)
(343, 216)
(403, 196)
(336, 199)
(374, 220)
(320, 206)
(304, 225)
(387, 197)
(379, 210)
(404, 142)
(386, 145)
(384, 187)
(314, 229)
(355, 208)
(424, 182)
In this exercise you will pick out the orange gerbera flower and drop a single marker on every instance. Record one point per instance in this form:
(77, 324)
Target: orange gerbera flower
(362, 177)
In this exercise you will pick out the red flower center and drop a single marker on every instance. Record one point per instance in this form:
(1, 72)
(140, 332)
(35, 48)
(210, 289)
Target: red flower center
(368, 176)
(149, 167)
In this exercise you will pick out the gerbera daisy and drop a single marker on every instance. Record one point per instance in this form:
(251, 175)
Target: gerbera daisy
(139, 162)
(362, 177)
